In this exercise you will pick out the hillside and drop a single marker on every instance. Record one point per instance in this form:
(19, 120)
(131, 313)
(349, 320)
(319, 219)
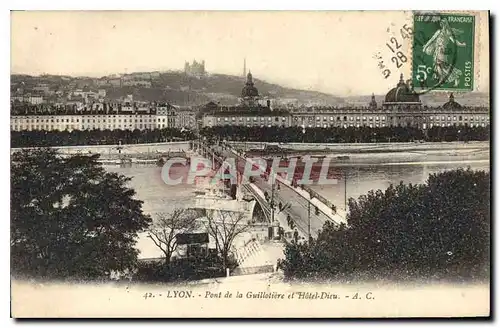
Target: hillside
(178, 88)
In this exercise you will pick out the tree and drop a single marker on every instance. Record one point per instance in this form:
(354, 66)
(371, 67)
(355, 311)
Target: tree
(71, 218)
(440, 230)
(165, 227)
(224, 228)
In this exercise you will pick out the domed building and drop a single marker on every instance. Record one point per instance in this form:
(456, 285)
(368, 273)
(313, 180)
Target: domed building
(249, 94)
(403, 106)
(249, 90)
(452, 104)
(401, 97)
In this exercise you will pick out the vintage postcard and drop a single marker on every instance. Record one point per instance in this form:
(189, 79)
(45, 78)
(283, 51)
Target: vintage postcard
(301, 164)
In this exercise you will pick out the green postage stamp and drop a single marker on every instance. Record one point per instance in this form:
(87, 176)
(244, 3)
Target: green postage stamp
(443, 52)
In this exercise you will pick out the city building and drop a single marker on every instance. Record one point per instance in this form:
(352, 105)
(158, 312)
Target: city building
(34, 100)
(42, 87)
(184, 118)
(82, 111)
(137, 83)
(401, 107)
(165, 116)
(252, 110)
(195, 69)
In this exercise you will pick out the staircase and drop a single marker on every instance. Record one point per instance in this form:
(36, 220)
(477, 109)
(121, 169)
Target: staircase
(251, 255)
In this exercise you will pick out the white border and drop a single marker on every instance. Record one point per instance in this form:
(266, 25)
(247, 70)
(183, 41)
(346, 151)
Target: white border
(188, 5)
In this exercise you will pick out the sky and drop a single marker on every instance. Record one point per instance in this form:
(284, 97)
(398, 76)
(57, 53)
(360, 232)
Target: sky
(332, 52)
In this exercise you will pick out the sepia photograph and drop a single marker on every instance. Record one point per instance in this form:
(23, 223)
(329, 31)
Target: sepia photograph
(250, 164)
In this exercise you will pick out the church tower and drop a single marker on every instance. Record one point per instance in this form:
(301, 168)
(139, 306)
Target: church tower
(244, 67)
(373, 102)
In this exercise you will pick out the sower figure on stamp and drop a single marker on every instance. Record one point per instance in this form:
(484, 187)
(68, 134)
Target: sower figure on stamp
(436, 47)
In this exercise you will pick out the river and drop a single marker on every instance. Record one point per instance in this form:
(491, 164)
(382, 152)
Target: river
(361, 177)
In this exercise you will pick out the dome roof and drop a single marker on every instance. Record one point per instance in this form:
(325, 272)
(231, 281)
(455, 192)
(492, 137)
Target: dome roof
(452, 104)
(401, 93)
(249, 90)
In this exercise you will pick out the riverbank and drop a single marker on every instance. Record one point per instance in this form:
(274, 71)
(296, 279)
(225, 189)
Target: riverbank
(341, 154)
(335, 148)
(150, 150)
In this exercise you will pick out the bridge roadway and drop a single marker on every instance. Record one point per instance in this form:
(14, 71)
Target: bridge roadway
(301, 210)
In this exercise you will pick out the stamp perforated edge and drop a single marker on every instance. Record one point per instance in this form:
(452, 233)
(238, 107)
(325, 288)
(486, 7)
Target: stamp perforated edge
(477, 49)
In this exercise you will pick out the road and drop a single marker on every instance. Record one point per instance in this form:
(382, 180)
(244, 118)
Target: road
(299, 206)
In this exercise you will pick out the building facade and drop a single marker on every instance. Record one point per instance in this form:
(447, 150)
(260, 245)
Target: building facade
(401, 108)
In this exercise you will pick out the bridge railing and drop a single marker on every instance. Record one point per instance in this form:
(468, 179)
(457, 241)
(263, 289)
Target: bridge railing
(310, 191)
(312, 194)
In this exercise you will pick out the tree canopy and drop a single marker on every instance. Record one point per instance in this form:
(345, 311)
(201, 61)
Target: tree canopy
(349, 134)
(439, 230)
(41, 138)
(71, 218)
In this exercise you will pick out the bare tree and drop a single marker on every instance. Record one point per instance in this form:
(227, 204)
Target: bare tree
(224, 228)
(166, 226)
